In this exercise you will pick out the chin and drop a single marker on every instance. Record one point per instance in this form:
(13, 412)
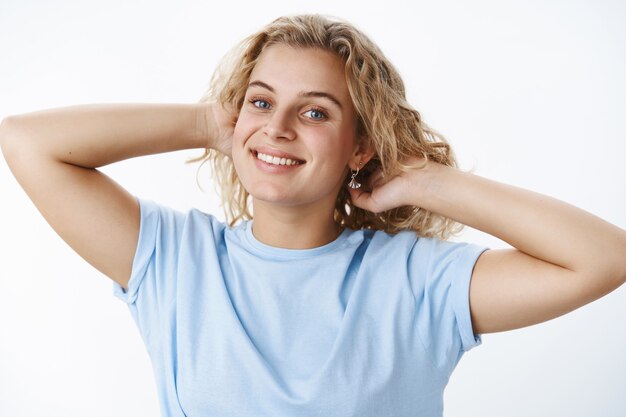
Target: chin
(269, 193)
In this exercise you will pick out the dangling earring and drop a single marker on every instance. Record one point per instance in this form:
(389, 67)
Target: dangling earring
(353, 183)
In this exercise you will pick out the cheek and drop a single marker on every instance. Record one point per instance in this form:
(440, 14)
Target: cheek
(240, 134)
(331, 156)
(339, 147)
(247, 123)
(242, 128)
(243, 131)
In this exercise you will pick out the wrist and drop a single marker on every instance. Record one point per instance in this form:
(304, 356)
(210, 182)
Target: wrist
(427, 184)
(203, 125)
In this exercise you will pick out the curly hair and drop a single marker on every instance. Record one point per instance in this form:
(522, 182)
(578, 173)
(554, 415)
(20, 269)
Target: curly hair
(385, 119)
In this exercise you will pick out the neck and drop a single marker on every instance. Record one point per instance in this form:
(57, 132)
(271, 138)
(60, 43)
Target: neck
(292, 227)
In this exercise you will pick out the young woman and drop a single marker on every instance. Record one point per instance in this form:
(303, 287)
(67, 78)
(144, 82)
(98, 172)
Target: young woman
(333, 290)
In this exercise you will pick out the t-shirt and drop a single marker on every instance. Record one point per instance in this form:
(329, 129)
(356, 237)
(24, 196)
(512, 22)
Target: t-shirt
(371, 324)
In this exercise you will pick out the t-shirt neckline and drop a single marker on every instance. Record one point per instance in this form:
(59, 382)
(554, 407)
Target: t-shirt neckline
(294, 253)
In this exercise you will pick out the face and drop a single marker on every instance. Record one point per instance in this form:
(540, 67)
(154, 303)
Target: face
(295, 135)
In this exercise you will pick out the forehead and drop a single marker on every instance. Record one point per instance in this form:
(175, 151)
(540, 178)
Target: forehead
(291, 69)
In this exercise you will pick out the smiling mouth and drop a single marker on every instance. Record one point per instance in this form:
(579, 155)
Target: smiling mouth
(276, 160)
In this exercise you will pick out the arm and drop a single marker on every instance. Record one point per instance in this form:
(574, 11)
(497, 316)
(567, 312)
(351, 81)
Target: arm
(94, 135)
(54, 154)
(564, 257)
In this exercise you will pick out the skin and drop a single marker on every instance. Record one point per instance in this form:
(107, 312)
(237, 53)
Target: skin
(316, 130)
(561, 257)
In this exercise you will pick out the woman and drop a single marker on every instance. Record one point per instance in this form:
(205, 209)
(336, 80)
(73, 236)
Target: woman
(341, 296)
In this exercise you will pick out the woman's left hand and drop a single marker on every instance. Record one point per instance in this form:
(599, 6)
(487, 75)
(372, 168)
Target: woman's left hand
(382, 193)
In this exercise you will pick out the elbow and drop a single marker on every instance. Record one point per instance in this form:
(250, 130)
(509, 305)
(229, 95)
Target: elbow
(609, 267)
(8, 132)
(602, 280)
(614, 275)
(620, 273)
(12, 134)
(5, 128)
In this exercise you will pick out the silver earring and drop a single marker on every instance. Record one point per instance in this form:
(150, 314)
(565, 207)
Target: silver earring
(353, 183)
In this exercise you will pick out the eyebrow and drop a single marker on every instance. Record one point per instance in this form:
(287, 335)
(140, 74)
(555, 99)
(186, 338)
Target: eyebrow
(300, 94)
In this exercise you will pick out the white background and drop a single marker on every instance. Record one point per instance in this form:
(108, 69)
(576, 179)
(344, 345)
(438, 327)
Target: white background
(528, 93)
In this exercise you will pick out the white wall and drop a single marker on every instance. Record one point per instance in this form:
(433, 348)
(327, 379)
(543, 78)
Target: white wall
(529, 93)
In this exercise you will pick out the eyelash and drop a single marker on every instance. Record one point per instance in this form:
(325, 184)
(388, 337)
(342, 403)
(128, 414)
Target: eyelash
(320, 111)
(314, 109)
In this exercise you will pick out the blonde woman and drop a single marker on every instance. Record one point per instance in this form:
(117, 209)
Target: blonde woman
(332, 291)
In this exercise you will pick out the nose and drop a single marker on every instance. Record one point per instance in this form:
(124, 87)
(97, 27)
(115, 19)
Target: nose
(279, 126)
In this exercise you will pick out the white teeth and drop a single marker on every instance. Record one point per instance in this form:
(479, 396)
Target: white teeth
(274, 160)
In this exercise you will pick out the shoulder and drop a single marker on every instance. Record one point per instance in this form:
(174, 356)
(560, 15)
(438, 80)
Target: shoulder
(419, 249)
(200, 216)
(386, 246)
(168, 220)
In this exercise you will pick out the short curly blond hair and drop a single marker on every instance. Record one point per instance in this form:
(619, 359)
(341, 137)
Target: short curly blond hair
(384, 118)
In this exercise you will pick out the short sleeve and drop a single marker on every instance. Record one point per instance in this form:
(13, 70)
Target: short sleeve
(152, 283)
(156, 254)
(440, 274)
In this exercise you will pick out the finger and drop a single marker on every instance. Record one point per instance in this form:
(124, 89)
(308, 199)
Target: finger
(362, 199)
(376, 179)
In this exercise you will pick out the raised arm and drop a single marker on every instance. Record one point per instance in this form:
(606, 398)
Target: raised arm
(54, 154)
(564, 257)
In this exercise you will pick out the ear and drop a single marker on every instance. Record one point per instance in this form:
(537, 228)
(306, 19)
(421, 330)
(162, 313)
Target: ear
(363, 152)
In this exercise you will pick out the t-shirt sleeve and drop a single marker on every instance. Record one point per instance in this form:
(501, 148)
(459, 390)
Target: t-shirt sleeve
(152, 284)
(440, 274)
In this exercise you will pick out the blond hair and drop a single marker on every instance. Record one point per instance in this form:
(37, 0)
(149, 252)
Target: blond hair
(384, 118)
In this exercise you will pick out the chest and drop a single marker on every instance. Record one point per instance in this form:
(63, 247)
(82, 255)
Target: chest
(325, 339)
(349, 365)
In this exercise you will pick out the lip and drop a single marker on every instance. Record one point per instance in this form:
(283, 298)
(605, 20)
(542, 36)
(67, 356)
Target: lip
(266, 168)
(275, 152)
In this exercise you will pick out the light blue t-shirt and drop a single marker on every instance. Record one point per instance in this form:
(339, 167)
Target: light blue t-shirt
(371, 324)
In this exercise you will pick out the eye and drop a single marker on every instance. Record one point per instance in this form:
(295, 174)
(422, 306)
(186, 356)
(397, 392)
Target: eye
(260, 103)
(316, 114)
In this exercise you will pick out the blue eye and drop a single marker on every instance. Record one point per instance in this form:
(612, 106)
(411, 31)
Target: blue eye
(317, 114)
(262, 103)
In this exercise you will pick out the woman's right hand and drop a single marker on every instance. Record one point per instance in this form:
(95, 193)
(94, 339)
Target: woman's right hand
(220, 124)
